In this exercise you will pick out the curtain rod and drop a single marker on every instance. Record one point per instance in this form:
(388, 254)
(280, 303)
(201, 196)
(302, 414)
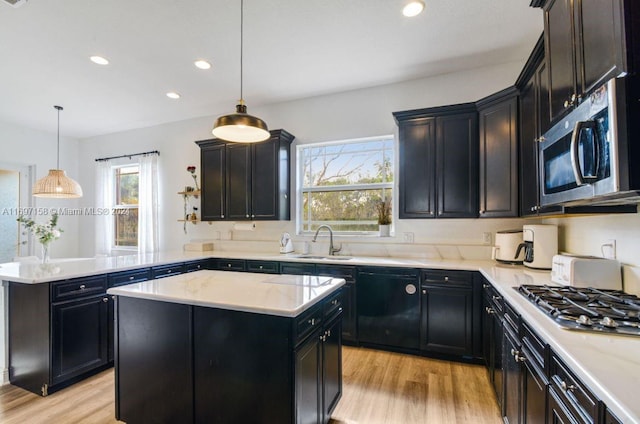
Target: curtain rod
(129, 156)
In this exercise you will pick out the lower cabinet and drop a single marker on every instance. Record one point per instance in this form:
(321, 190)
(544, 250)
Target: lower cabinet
(512, 381)
(493, 340)
(535, 394)
(349, 317)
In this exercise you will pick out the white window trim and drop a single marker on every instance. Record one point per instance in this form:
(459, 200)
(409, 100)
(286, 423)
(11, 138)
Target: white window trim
(300, 179)
(116, 206)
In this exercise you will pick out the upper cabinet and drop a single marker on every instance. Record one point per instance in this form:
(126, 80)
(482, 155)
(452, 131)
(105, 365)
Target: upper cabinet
(498, 116)
(246, 181)
(587, 42)
(438, 172)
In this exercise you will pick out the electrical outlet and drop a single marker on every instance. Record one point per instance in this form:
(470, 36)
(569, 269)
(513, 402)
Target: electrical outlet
(609, 249)
(486, 238)
(407, 237)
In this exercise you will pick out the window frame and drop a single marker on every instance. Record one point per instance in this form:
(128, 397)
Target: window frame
(115, 206)
(302, 191)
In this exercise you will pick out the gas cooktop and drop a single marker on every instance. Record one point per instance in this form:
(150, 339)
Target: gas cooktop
(587, 309)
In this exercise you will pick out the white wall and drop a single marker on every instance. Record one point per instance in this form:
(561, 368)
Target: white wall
(26, 147)
(359, 113)
(585, 235)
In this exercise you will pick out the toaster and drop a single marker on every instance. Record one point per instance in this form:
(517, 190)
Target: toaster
(586, 271)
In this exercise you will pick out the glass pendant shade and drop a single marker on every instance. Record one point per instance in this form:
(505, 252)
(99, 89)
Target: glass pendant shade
(240, 127)
(57, 185)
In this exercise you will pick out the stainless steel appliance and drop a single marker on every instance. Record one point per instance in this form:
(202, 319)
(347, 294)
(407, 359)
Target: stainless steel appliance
(588, 157)
(586, 271)
(540, 245)
(506, 247)
(587, 309)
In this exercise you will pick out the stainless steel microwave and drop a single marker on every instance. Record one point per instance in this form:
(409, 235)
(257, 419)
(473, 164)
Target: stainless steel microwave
(592, 156)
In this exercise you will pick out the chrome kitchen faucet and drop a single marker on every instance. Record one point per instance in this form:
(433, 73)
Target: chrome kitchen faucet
(332, 250)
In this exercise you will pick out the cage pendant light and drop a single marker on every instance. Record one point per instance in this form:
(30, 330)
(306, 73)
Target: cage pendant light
(240, 127)
(56, 184)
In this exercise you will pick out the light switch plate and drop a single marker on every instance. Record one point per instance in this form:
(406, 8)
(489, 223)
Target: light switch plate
(486, 238)
(407, 237)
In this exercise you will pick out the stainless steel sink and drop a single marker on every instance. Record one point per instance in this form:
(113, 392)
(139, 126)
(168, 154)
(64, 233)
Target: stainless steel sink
(324, 258)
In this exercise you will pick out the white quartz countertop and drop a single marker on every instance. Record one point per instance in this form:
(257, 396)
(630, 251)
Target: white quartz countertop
(62, 269)
(608, 365)
(282, 295)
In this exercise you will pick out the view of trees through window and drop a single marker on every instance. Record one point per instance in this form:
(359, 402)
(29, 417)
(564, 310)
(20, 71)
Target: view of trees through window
(342, 183)
(126, 207)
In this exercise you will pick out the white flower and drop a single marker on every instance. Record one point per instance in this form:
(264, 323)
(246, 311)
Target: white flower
(56, 233)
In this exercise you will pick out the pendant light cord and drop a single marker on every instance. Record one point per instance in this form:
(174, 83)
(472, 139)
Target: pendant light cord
(58, 159)
(241, 45)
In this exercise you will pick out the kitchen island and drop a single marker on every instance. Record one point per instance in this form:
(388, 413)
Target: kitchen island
(214, 346)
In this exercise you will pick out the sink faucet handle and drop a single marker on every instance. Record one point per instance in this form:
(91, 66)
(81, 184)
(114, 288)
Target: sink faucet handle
(336, 249)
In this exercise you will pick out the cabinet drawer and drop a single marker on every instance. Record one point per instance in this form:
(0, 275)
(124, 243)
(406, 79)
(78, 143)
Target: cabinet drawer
(494, 298)
(81, 287)
(450, 278)
(195, 266)
(512, 318)
(574, 395)
(267, 267)
(297, 269)
(129, 277)
(536, 348)
(166, 270)
(307, 323)
(337, 271)
(231, 264)
(333, 305)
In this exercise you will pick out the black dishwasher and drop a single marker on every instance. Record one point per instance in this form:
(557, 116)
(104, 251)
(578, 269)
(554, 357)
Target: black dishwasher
(389, 307)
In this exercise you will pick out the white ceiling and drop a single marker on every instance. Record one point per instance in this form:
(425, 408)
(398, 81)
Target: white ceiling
(293, 49)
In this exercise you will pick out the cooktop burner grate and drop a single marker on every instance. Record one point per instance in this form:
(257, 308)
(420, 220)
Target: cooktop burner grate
(587, 309)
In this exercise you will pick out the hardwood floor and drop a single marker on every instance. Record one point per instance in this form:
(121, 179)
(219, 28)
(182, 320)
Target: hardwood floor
(379, 387)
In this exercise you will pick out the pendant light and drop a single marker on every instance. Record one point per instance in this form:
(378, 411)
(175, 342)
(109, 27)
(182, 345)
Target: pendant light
(56, 184)
(240, 127)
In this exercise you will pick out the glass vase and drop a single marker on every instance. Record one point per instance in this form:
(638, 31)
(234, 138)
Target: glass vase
(45, 253)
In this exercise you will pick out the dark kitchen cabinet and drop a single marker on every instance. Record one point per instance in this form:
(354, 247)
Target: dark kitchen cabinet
(308, 367)
(331, 368)
(58, 332)
(246, 181)
(512, 381)
(447, 316)
(438, 150)
(348, 301)
(587, 42)
(493, 339)
(498, 118)
(535, 394)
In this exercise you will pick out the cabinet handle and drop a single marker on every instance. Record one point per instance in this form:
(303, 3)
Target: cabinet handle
(514, 353)
(246, 216)
(520, 358)
(323, 338)
(82, 287)
(485, 286)
(334, 302)
(105, 299)
(328, 333)
(481, 211)
(490, 311)
(261, 267)
(170, 271)
(446, 278)
(253, 216)
(566, 104)
(496, 297)
(312, 321)
(567, 388)
(131, 278)
(221, 216)
(424, 291)
(113, 297)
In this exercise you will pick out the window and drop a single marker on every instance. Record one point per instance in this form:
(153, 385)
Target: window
(340, 183)
(126, 206)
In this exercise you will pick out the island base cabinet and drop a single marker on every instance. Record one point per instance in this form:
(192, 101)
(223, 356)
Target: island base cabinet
(154, 378)
(250, 354)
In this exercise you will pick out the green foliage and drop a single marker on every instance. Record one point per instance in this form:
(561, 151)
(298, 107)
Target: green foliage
(46, 233)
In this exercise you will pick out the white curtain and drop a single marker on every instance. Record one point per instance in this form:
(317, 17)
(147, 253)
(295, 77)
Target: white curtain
(104, 202)
(148, 204)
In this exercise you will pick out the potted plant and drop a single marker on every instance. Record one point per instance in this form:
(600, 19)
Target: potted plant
(384, 217)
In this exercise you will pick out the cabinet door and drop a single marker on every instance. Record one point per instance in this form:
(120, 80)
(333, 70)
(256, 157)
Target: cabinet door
(212, 164)
(599, 41)
(417, 169)
(512, 379)
(558, 412)
(238, 188)
(446, 324)
(457, 165)
(349, 316)
(528, 149)
(331, 368)
(111, 337)
(497, 376)
(80, 340)
(264, 189)
(499, 159)
(308, 381)
(534, 395)
(559, 53)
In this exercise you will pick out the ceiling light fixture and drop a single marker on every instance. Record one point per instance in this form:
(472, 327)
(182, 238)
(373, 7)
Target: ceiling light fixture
(413, 9)
(99, 60)
(56, 184)
(173, 95)
(202, 64)
(241, 127)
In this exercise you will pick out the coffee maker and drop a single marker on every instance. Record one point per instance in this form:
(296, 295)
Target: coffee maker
(540, 243)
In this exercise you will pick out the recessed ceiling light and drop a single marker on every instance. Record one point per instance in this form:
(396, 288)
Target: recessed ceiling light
(202, 64)
(99, 60)
(173, 95)
(413, 9)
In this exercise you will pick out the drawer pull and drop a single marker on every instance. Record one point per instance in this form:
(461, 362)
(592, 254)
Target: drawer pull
(485, 286)
(496, 297)
(490, 311)
(334, 302)
(131, 278)
(520, 358)
(567, 388)
(82, 287)
(446, 278)
(228, 265)
(312, 321)
(105, 299)
(169, 271)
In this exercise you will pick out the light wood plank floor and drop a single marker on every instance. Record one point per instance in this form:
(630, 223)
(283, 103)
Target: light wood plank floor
(379, 387)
